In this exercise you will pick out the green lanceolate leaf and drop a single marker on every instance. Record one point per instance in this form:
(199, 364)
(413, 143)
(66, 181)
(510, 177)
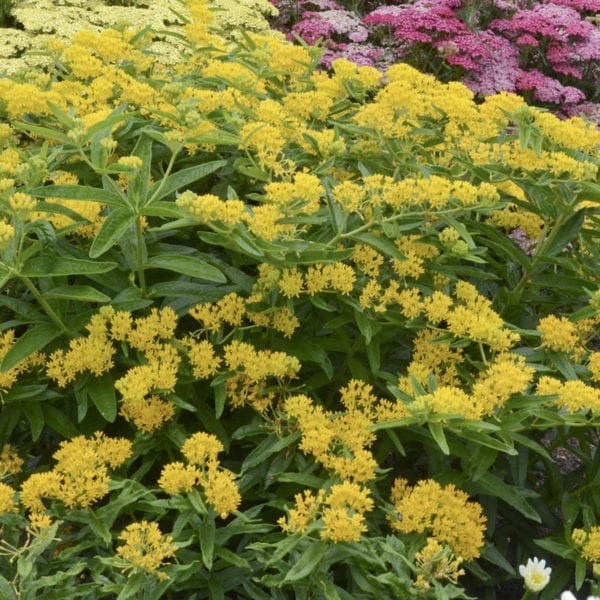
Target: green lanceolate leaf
(382, 244)
(116, 225)
(182, 179)
(437, 433)
(78, 192)
(54, 266)
(102, 392)
(138, 188)
(206, 533)
(308, 562)
(31, 341)
(78, 293)
(191, 266)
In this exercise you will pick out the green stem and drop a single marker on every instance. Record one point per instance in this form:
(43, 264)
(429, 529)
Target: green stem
(391, 219)
(42, 302)
(139, 234)
(539, 252)
(164, 178)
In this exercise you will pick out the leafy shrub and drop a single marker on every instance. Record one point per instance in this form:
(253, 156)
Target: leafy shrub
(265, 333)
(546, 51)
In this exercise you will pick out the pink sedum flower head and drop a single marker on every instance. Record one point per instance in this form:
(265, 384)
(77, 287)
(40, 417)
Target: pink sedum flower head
(536, 574)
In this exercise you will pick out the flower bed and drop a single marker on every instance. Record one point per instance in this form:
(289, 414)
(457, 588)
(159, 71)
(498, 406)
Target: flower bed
(267, 334)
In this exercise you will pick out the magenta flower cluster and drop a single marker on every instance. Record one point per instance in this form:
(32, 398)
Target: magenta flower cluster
(546, 50)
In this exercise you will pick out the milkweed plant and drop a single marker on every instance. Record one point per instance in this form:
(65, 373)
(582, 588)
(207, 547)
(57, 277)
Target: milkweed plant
(266, 332)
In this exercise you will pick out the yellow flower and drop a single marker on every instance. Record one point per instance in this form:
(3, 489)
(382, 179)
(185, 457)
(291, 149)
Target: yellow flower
(202, 358)
(202, 448)
(10, 462)
(147, 414)
(39, 521)
(7, 499)
(177, 477)
(438, 562)
(340, 526)
(7, 233)
(304, 513)
(558, 333)
(22, 204)
(145, 548)
(80, 476)
(444, 512)
(291, 283)
(221, 491)
(588, 543)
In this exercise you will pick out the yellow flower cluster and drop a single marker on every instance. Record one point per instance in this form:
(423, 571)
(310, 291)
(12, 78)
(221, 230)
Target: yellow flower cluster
(10, 462)
(208, 208)
(203, 469)
(572, 395)
(7, 233)
(475, 319)
(341, 441)
(558, 334)
(339, 513)
(436, 561)
(588, 543)
(142, 385)
(80, 477)
(432, 356)
(506, 375)
(145, 548)
(513, 217)
(444, 512)
(7, 498)
(253, 369)
(93, 353)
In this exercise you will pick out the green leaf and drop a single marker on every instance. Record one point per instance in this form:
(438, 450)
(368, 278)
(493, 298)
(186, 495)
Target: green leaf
(44, 132)
(78, 192)
(206, 533)
(134, 585)
(303, 479)
(183, 178)
(485, 440)
(6, 592)
(53, 266)
(115, 226)
(437, 432)
(494, 486)
(308, 562)
(103, 128)
(79, 293)
(565, 233)
(102, 392)
(65, 119)
(138, 188)
(268, 447)
(35, 415)
(191, 266)
(232, 558)
(59, 422)
(31, 341)
(382, 244)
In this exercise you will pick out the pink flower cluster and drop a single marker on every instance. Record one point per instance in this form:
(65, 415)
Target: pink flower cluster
(547, 50)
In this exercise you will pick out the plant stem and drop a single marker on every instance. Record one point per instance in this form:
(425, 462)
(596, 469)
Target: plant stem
(164, 178)
(42, 302)
(139, 235)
